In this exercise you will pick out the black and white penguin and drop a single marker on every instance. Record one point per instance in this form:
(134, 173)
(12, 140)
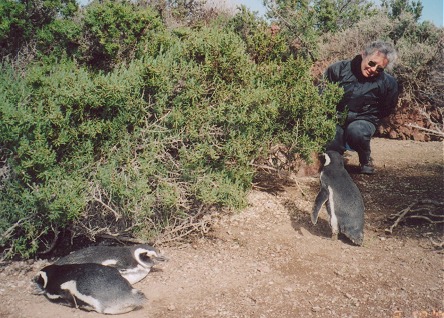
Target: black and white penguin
(345, 205)
(91, 287)
(133, 262)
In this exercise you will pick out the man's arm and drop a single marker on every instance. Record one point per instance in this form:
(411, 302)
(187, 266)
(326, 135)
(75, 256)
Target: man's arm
(332, 72)
(391, 97)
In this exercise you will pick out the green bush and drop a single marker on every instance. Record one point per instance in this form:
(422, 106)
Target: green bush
(263, 43)
(24, 23)
(302, 122)
(150, 141)
(112, 31)
(339, 15)
(297, 21)
(58, 39)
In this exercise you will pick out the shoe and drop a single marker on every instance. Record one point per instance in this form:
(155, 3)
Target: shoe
(368, 168)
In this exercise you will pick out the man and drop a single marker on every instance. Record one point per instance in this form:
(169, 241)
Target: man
(370, 94)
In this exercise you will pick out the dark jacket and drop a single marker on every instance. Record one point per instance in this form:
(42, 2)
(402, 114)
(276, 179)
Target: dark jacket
(364, 98)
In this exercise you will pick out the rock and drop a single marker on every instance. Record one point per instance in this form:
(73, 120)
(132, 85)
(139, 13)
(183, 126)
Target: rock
(316, 308)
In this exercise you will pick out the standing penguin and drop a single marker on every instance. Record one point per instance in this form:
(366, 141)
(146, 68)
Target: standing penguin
(133, 262)
(92, 287)
(345, 205)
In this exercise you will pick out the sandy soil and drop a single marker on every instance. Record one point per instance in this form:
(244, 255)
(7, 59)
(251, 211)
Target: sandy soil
(270, 261)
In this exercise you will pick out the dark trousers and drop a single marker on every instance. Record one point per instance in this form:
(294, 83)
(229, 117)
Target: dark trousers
(357, 135)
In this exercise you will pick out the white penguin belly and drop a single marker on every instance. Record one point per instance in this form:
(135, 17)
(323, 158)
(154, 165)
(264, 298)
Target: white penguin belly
(71, 286)
(136, 274)
(333, 218)
(109, 262)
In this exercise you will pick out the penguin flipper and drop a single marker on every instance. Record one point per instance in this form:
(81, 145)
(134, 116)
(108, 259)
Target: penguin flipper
(321, 198)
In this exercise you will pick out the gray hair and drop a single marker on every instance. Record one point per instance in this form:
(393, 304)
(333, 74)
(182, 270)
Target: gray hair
(384, 48)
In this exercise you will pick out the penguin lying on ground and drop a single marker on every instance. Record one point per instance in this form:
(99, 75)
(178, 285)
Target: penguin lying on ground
(345, 205)
(133, 262)
(89, 287)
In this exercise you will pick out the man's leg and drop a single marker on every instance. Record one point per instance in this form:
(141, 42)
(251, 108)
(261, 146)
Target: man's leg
(358, 135)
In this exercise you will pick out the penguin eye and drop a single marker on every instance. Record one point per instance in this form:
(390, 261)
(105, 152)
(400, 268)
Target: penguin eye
(38, 280)
(152, 257)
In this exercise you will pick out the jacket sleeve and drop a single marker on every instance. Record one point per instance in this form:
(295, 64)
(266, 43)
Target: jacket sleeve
(391, 97)
(332, 72)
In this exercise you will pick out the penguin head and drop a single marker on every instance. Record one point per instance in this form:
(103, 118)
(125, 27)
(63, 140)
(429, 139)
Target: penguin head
(40, 282)
(357, 238)
(147, 256)
(333, 158)
(327, 159)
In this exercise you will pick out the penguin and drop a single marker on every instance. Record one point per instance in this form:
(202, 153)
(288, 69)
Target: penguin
(133, 262)
(91, 287)
(343, 199)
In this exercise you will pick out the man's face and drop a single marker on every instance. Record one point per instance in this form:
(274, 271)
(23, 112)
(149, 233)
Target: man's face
(373, 64)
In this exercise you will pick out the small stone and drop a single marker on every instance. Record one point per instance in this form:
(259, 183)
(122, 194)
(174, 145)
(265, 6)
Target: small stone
(316, 308)
(288, 289)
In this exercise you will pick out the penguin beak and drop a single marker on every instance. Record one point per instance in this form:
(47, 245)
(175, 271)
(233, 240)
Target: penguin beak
(161, 258)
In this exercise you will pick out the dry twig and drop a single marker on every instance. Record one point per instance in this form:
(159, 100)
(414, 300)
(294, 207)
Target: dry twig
(421, 209)
(122, 238)
(438, 245)
(97, 196)
(53, 244)
(429, 131)
(183, 227)
(6, 235)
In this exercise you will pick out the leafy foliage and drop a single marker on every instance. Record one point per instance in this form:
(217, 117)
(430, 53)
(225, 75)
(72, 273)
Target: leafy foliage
(297, 20)
(156, 137)
(264, 43)
(112, 30)
(25, 21)
(128, 117)
(398, 7)
(338, 15)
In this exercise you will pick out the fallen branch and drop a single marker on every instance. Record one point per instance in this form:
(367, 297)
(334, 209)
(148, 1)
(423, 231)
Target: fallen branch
(302, 191)
(265, 167)
(416, 210)
(430, 131)
(438, 245)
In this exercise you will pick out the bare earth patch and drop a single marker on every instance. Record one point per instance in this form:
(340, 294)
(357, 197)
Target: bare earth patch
(270, 261)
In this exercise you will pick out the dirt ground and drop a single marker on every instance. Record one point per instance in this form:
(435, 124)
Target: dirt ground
(270, 261)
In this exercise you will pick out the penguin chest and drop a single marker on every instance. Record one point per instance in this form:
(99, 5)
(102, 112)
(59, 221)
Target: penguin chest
(135, 274)
(331, 211)
(88, 302)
